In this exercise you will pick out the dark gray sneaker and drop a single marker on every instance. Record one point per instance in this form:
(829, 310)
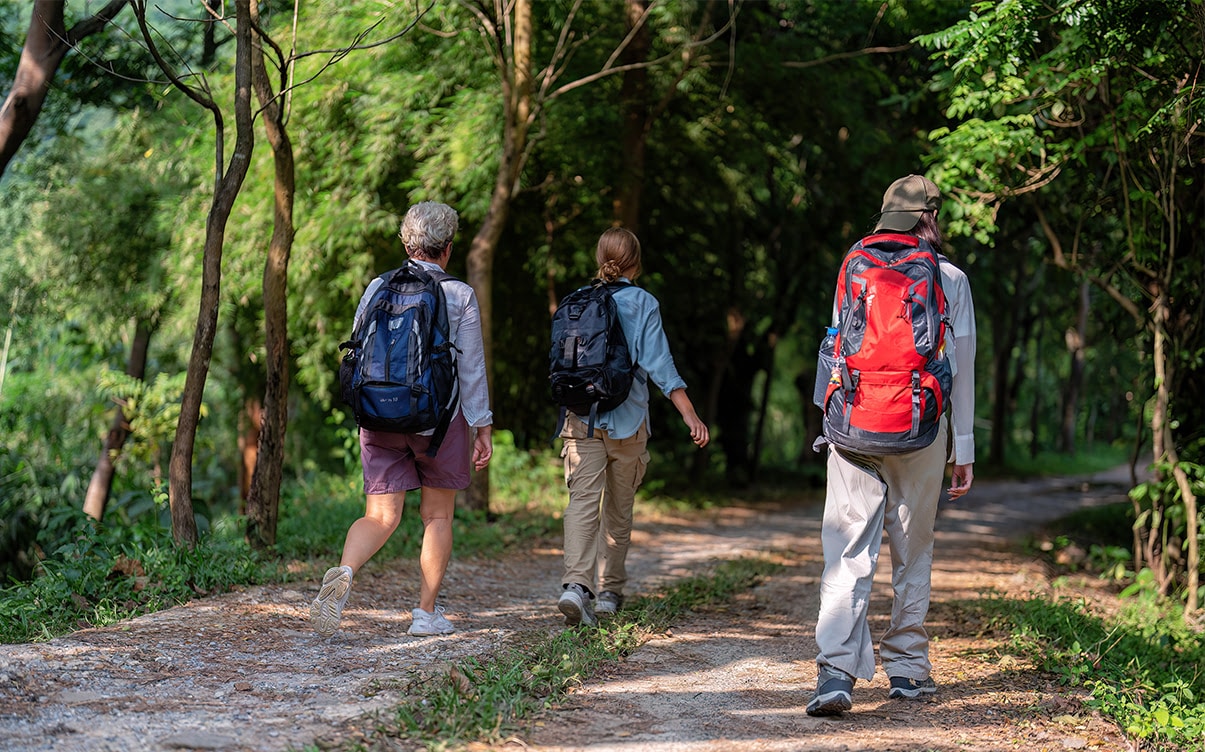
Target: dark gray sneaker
(608, 603)
(903, 688)
(833, 695)
(575, 605)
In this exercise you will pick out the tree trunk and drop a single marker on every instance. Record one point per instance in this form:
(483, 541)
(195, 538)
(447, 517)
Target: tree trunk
(516, 87)
(263, 503)
(1035, 414)
(250, 425)
(97, 497)
(209, 40)
(767, 383)
(226, 188)
(1077, 346)
(46, 45)
(1161, 441)
(634, 106)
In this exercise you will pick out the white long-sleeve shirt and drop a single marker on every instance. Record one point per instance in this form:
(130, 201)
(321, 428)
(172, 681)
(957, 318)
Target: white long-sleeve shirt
(960, 346)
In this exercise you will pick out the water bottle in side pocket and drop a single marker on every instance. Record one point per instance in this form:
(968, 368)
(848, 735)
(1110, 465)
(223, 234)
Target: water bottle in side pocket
(826, 361)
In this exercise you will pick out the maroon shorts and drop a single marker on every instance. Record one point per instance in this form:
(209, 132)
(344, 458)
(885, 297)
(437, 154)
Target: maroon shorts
(398, 462)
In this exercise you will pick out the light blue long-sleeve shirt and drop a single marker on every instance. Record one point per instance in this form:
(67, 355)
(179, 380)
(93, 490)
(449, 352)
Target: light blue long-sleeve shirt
(640, 318)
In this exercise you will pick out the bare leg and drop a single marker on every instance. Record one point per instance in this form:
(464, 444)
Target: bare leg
(367, 534)
(437, 507)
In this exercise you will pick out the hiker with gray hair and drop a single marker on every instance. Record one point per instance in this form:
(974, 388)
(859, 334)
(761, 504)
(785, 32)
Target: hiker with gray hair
(899, 405)
(437, 461)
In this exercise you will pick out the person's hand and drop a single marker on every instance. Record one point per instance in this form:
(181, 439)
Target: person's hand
(960, 480)
(698, 430)
(483, 447)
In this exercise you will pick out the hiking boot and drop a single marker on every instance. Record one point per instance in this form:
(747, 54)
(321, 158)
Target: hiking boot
(833, 694)
(903, 688)
(575, 605)
(608, 603)
(428, 623)
(327, 608)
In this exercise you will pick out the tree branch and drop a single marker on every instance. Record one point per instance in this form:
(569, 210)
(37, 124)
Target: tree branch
(845, 56)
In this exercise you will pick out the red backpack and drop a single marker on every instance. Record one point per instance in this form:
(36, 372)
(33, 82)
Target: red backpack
(890, 382)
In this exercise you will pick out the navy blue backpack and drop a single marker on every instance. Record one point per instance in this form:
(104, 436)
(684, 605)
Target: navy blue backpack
(399, 372)
(589, 365)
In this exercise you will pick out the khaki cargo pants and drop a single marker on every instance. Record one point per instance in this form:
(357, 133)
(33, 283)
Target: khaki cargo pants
(603, 475)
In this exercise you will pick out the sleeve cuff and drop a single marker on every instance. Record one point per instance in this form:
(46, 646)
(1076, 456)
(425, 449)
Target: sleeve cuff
(964, 450)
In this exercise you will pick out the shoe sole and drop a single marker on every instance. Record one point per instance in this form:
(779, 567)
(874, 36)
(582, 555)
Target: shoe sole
(910, 694)
(431, 633)
(574, 614)
(327, 609)
(833, 703)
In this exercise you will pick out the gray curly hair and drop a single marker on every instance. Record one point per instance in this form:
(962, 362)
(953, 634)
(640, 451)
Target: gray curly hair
(427, 229)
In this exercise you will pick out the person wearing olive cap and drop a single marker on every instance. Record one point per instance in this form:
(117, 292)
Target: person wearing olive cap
(869, 494)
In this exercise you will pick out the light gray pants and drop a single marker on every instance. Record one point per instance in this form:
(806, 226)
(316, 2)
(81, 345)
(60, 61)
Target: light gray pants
(866, 496)
(603, 475)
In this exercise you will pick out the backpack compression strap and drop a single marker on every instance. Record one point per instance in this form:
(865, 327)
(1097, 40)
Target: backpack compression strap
(440, 276)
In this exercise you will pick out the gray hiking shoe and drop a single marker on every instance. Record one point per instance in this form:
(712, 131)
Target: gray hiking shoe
(428, 623)
(327, 608)
(833, 694)
(608, 603)
(903, 688)
(575, 605)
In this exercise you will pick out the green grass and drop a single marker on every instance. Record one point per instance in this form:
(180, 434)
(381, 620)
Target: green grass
(1087, 460)
(1145, 668)
(489, 699)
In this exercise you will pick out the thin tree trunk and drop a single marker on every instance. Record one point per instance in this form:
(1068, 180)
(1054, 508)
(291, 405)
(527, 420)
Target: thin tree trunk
(1077, 346)
(46, 44)
(99, 488)
(228, 180)
(634, 106)
(759, 432)
(1035, 414)
(1162, 445)
(251, 422)
(263, 503)
(516, 87)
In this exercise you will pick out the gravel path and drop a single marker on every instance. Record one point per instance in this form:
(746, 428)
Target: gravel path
(243, 671)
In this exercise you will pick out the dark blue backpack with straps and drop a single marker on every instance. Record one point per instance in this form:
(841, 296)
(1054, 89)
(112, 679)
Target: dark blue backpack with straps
(399, 373)
(589, 365)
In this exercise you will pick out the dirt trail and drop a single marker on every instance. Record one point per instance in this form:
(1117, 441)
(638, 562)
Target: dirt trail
(243, 671)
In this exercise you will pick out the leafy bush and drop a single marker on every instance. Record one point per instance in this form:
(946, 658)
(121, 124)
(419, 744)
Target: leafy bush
(90, 574)
(1143, 668)
(105, 574)
(1162, 522)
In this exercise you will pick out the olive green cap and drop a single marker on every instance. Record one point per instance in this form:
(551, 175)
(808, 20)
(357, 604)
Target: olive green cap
(904, 202)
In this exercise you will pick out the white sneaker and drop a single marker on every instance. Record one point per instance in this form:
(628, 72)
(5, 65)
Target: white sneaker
(427, 623)
(327, 608)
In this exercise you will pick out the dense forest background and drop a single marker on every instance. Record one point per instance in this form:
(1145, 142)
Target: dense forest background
(196, 192)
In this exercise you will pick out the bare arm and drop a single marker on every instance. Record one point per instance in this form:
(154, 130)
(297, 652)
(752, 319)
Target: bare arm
(698, 429)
